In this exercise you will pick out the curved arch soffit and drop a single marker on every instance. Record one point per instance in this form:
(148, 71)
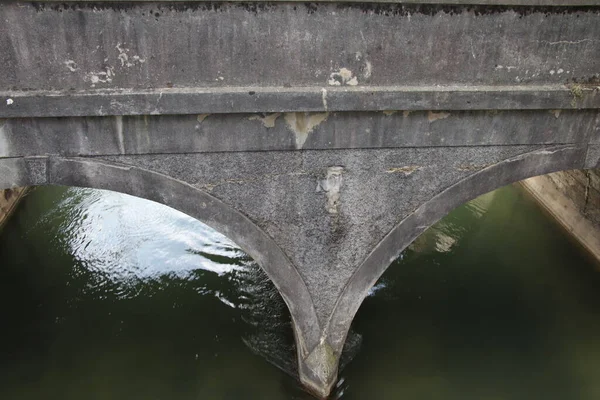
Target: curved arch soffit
(539, 162)
(100, 174)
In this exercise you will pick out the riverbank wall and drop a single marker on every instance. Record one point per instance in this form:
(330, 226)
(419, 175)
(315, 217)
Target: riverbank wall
(573, 199)
(9, 200)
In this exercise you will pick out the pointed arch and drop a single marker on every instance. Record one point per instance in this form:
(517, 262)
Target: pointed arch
(539, 162)
(101, 174)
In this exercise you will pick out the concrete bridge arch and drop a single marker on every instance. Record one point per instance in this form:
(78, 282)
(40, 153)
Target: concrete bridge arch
(98, 174)
(319, 342)
(527, 165)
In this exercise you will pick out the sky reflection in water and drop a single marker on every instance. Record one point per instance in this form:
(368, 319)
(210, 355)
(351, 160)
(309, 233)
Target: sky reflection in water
(114, 297)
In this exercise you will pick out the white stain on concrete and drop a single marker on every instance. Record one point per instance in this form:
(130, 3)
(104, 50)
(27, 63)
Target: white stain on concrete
(508, 67)
(567, 42)
(71, 65)
(368, 69)
(406, 170)
(549, 152)
(324, 98)
(268, 120)
(4, 147)
(119, 129)
(10, 102)
(99, 77)
(124, 57)
(303, 123)
(342, 77)
(332, 185)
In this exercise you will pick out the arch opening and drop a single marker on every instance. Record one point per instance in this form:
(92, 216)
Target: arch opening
(517, 168)
(539, 162)
(495, 300)
(100, 174)
(128, 276)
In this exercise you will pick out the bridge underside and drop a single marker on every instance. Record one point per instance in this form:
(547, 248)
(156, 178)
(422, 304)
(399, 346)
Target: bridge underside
(322, 138)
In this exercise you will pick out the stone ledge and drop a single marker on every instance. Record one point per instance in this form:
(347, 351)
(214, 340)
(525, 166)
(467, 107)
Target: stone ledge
(171, 101)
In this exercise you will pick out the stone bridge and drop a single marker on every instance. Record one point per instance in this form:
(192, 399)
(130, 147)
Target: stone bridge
(321, 137)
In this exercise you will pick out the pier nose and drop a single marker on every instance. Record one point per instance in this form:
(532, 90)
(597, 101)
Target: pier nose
(318, 371)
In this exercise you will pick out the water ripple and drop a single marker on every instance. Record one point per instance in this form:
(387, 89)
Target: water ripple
(121, 241)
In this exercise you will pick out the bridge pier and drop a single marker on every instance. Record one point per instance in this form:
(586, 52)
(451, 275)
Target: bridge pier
(321, 315)
(318, 372)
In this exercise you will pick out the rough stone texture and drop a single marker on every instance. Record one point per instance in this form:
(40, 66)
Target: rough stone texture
(254, 132)
(582, 188)
(272, 100)
(9, 199)
(439, 104)
(463, 2)
(279, 192)
(150, 45)
(16, 172)
(573, 199)
(323, 262)
(538, 162)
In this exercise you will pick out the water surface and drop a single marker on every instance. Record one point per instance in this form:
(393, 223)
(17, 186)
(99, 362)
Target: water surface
(106, 296)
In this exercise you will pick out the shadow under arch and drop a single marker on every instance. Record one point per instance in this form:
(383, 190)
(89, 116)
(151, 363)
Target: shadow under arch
(539, 162)
(100, 174)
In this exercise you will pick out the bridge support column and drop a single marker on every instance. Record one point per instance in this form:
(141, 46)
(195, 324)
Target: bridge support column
(318, 371)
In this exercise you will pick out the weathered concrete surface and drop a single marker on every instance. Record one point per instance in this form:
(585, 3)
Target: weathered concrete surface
(377, 189)
(161, 45)
(573, 199)
(570, 3)
(9, 200)
(291, 131)
(272, 100)
(322, 138)
(323, 262)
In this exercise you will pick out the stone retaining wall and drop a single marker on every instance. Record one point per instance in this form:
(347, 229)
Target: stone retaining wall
(9, 199)
(573, 198)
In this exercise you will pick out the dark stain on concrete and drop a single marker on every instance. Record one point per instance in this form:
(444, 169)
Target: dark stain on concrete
(386, 9)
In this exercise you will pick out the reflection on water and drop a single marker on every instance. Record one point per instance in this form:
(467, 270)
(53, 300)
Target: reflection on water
(493, 302)
(114, 297)
(106, 296)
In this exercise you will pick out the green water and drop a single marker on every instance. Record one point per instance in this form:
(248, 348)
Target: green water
(105, 296)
